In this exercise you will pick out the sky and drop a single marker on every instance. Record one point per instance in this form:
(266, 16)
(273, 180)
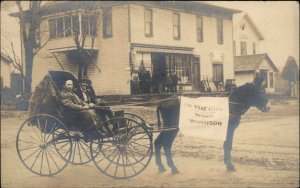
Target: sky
(278, 21)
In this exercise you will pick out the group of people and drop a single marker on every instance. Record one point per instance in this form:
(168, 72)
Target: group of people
(81, 103)
(142, 83)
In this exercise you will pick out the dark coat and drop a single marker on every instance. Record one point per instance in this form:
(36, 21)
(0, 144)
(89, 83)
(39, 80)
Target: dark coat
(71, 101)
(90, 94)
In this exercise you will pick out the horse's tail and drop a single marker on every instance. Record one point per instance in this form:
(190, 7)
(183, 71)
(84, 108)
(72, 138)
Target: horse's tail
(158, 116)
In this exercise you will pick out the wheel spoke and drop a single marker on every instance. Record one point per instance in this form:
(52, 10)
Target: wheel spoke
(51, 131)
(48, 161)
(117, 164)
(29, 148)
(84, 150)
(79, 153)
(42, 161)
(45, 130)
(53, 160)
(31, 154)
(35, 159)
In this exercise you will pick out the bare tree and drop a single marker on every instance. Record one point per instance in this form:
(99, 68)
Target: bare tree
(29, 21)
(90, 12)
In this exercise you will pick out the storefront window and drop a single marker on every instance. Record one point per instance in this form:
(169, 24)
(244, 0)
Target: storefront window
(181, 64)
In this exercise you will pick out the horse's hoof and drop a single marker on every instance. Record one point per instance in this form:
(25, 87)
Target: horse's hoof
(175, 172)
(231, 168)
(161, 169)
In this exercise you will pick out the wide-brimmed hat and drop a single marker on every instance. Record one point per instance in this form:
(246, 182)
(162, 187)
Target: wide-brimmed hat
(84, 79)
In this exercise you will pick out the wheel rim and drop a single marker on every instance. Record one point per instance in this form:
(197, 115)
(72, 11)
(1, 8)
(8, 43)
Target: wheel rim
(125, 154)
(37, 143)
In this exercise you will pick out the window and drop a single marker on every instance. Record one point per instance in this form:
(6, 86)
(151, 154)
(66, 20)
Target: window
(218, 72)
(176, 26)
(89, 25)
(220, 31)
(68, 24)
(243, 48)
(75, 25)
(234, 48)
(181, 64)
(52, 28)
(107, 23)
(271, 79)
(254, 48)
(199, 23)
(148, 22)
(63, 26)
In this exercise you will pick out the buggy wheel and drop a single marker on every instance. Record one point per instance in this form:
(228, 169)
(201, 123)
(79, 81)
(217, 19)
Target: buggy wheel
(137, 119)
(80, 149)
(126, 153)
(39, 144)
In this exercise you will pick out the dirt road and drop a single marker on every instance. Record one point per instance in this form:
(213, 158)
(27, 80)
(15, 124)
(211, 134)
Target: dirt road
(265, 152)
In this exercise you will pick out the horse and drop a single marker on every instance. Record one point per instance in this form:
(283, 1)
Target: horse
(240, 100)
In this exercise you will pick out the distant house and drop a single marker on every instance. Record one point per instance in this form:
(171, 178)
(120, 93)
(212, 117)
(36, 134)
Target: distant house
(246, 66)
(193, 39)
(5, 71)
(248, 55)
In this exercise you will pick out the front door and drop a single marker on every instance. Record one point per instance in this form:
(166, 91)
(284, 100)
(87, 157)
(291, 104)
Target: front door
(196, 73)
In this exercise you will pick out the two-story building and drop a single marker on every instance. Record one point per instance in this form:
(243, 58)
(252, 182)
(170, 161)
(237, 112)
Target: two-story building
(248, 55)
(193, 39)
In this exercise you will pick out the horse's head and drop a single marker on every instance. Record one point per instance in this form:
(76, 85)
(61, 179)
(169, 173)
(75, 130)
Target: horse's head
(259, 97)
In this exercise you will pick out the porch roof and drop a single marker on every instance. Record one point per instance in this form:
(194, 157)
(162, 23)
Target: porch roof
(251, 62)
(162, 49)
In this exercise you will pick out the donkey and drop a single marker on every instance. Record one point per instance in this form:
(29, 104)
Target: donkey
(240, 100)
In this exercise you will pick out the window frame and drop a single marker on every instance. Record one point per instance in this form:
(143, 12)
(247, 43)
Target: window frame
(150, 22)
(220, 31)
(107, 18)
(215, 76)
(245, 49)
(177, 26)
(200, 37)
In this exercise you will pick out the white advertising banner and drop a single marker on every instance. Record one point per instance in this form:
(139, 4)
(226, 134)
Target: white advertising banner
(205, 117)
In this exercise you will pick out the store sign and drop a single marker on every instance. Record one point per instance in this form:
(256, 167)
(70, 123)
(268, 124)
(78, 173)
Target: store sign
(205, 117)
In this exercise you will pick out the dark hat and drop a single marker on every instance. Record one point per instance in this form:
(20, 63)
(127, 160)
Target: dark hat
(84, 79)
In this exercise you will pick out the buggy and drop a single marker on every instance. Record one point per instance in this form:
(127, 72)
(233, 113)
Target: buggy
(48, 141)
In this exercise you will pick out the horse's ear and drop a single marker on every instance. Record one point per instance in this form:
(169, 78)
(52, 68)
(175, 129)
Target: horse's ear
(258, 79)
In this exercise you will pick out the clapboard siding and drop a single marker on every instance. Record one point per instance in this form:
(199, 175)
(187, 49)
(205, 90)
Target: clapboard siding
(163, 35)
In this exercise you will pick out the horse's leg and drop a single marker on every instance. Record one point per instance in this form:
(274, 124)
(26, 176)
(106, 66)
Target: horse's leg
(167, 144)
(232, 125)
(158, 145)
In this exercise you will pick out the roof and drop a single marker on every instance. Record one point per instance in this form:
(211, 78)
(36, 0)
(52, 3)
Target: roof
(206, 8)
(251, 62)
(237, 19)
(5, 58)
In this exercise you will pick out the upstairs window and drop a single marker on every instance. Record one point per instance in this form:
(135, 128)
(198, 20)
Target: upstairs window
(243, 48)
(234, 48)
(176, 25)
(254, 48)
(107, 23)
(89, 25)
(199, 24)
(148, 22)
(220, 31)
(63, 26)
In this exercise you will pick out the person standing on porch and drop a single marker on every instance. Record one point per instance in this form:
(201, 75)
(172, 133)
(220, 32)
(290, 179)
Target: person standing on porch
(175, 79)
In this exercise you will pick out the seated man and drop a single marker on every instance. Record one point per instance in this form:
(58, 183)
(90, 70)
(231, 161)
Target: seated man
(86, 93)
(75, 107)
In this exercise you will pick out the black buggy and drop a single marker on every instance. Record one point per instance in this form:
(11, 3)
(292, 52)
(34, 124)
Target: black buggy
(47, 141)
